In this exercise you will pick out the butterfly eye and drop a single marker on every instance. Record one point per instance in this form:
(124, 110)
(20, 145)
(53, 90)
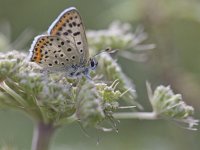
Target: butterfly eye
(93, 63)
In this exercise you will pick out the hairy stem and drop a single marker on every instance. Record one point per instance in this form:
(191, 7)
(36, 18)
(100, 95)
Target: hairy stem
(136, 115)
(42, 136)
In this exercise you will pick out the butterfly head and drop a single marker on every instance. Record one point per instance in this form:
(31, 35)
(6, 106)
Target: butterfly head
(92, 63)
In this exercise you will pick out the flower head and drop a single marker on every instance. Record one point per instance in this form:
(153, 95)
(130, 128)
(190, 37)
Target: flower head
(23, 86)
(166, 104)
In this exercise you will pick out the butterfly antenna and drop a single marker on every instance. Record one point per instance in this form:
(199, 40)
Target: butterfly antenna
(107, 50)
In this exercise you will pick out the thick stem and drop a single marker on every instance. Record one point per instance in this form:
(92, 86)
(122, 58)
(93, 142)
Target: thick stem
(42, 136)
(136, 115)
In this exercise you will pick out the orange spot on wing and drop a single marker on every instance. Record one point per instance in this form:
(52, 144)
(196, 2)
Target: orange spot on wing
(60, 23)
(38, 56)
(38, 51)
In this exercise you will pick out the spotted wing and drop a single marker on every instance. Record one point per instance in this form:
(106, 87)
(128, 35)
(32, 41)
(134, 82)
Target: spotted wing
(53, 53)
(69, 27)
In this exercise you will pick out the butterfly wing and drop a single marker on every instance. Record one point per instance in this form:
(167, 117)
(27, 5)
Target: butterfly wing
(69, 27)
(53, 53)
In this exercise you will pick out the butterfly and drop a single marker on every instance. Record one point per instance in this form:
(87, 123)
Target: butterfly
(64, 48)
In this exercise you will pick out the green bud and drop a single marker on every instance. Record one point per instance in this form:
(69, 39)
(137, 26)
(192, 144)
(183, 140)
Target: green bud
(166, 104)
(108, 93)
(89, 105)
(111, 71)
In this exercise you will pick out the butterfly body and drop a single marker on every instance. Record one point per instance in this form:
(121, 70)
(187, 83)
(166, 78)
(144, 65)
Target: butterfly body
(64, 48)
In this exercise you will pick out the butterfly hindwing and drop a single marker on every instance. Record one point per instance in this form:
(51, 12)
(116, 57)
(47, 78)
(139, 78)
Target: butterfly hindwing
(69, 27)
(53, 53)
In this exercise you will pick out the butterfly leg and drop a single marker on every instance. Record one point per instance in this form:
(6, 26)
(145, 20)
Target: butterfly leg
(86, 73)
(88, 77)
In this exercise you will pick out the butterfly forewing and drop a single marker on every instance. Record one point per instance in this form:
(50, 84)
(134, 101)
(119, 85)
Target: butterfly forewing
(69, 27)
(53, 53)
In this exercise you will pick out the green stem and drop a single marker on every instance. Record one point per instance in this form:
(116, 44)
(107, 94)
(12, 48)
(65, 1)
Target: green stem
(42, 136)
(136, 115)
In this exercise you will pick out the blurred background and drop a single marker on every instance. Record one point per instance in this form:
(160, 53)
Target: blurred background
(173, 25)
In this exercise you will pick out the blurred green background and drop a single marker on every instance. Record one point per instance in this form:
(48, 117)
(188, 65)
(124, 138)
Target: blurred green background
(173, 25)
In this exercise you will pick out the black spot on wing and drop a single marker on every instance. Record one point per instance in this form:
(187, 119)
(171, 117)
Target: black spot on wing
(76, 33)
(79, 43)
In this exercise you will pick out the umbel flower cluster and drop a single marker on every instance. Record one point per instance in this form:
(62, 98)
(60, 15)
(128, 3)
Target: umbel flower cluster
(56, 100)
(48, 99)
